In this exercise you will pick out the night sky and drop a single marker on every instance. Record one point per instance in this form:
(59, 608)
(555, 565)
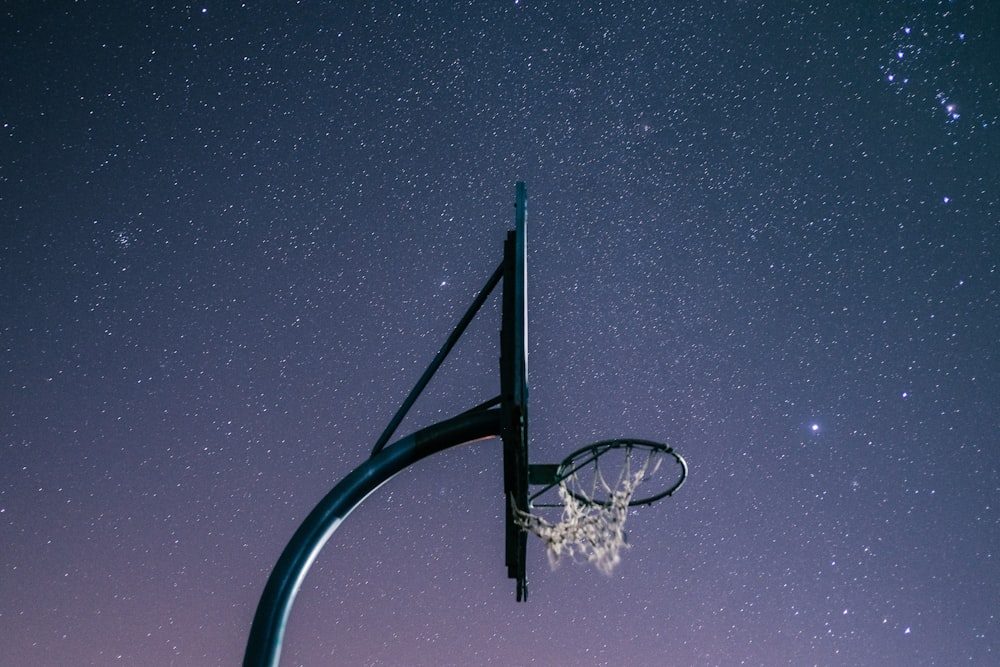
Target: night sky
(767, 233)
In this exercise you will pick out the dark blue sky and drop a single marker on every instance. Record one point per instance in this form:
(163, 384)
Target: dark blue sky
(234, 236)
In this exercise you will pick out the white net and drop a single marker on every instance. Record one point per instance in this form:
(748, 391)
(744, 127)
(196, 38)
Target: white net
(588, 531)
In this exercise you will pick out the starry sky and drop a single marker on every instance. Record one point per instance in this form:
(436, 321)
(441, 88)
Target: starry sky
(234, 235)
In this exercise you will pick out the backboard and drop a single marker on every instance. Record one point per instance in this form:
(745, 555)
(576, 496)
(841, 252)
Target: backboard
(514, 388)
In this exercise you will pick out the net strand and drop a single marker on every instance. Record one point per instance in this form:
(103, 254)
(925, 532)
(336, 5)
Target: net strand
(589, 531)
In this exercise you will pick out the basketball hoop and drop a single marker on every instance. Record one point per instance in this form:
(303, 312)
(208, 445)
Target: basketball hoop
(592, 526)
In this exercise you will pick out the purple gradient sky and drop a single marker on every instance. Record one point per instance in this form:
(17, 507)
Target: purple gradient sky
(234, 236)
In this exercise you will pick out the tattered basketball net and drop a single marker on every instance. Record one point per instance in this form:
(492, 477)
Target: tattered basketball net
(590, 530)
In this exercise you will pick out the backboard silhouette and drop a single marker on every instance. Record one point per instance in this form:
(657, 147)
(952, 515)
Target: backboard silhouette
(514, 388)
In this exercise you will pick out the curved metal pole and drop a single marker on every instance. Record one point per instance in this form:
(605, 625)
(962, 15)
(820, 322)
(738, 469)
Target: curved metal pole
(268, 629)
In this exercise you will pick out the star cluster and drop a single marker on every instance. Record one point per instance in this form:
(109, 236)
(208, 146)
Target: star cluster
(935, 59)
